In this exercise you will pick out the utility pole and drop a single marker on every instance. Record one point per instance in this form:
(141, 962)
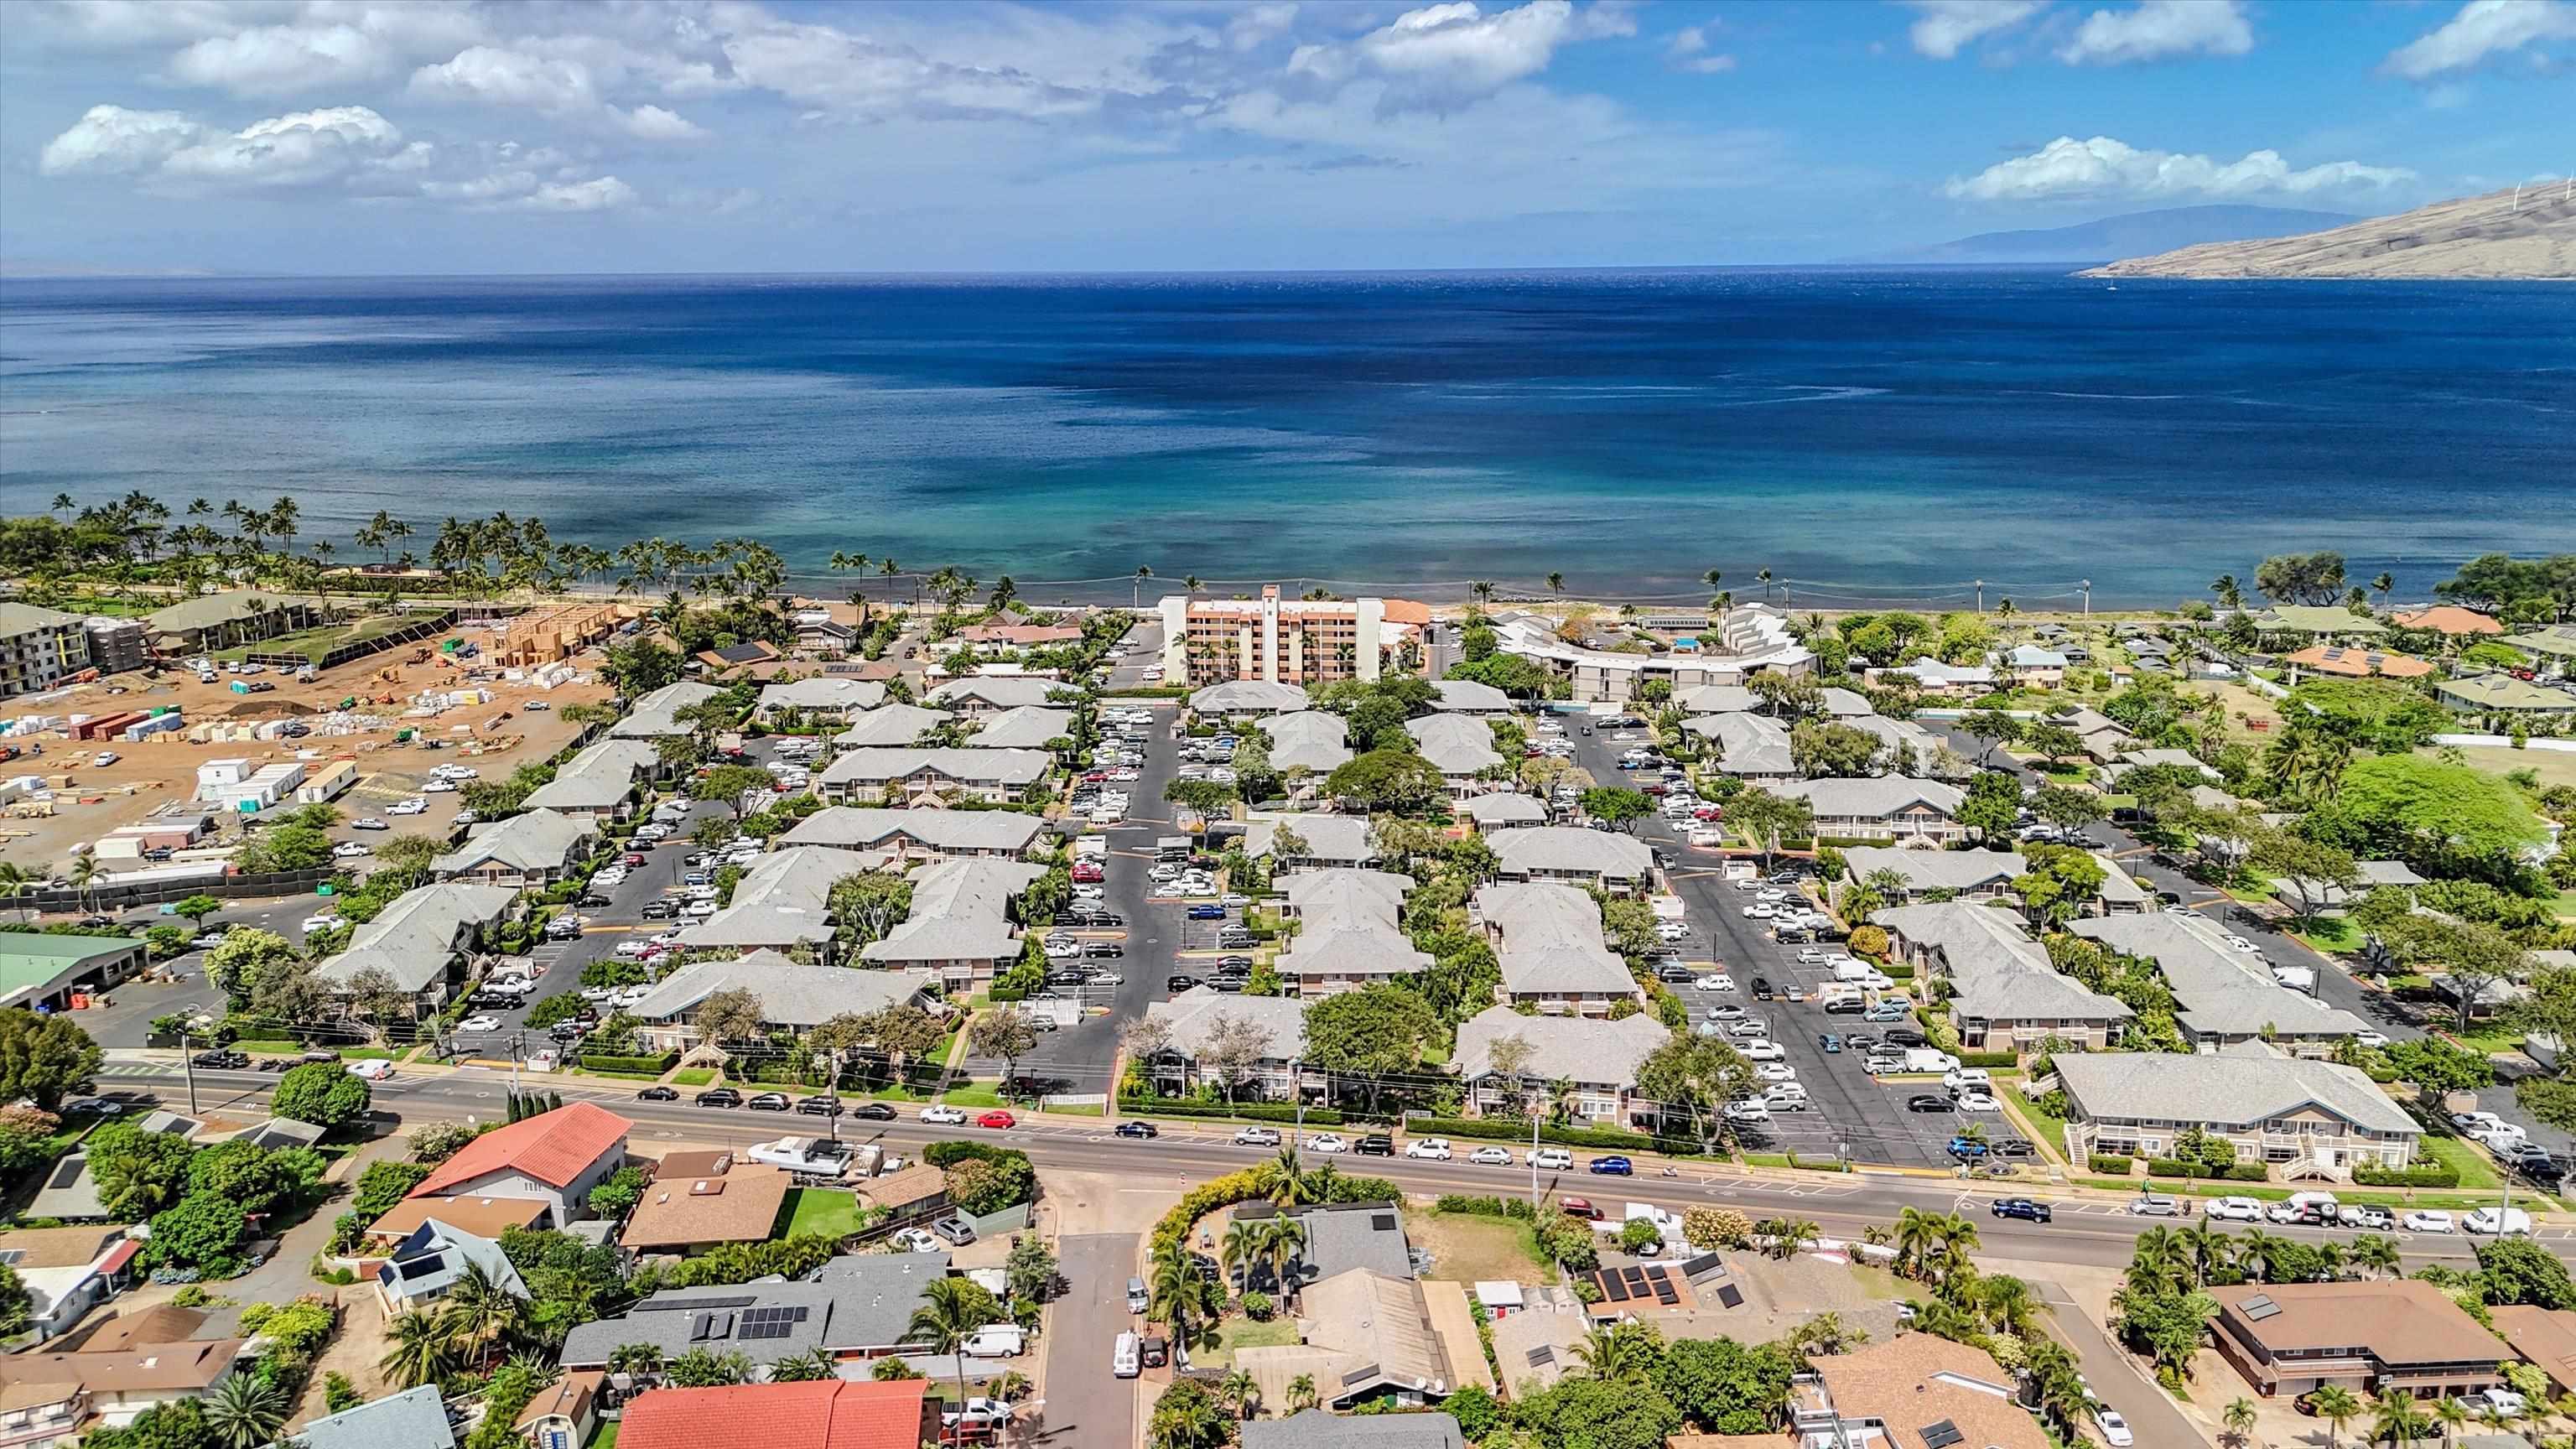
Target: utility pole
(518, 1049)
(2088, 598)
(188, 1061)
(1531, 1108)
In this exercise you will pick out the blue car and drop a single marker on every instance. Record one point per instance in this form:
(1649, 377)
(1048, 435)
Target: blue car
(1613, 1167)
(1830, 1042)
(1962, 1147)
(1207, 913)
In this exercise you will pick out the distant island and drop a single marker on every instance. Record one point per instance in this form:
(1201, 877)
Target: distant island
(2136, 233)
(2517, 234)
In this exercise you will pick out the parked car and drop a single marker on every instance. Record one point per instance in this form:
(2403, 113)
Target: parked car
(1555, 1159)
(1435, 1148)
(2427, 1220)
(2365, 1215)
(1930, 1102)
(1325, 1142)
(770, 1102)
(820, 1106)
(2234, 1210)
(2115, 1430)
(658, 1094)
(2155, 1205)
(719, 1097)
(955, 1229)
(873, 1112)
(1375, 1144)
(997, 1120)
(1491, 1157)
(222, 1059)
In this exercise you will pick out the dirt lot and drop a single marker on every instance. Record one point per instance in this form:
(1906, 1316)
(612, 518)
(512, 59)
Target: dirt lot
(156, 770)
(2556, 767)
(1465, 1248)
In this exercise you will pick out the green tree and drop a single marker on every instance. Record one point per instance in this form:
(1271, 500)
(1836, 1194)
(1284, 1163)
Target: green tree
(1989, 728)
(866, 907)
(951, 1310)
(196, 908)
(44, 1058)
(1005, 1032)
(245, 958)
(138, 1173)
(17, 1305)
(1726, 1387)
(246, 1410)
(1992, 806)
(639, 666)
(2336, 1405)
(1617, 806)
(728, 784)
(201, 1231)
(1388, 779)
(1368, 1035)
(259, 1179)
(1822, 748)
(322, 1093)
(1589, 1413)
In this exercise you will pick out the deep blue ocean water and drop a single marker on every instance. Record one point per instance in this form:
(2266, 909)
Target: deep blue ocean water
(1873, 435)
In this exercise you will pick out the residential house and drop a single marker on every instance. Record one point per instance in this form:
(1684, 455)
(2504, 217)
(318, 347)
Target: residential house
(2504, 694)
(654, 715)
(756, 658)
(1320, 896)
(1029, 727)
(2148, 759)
(2005, 993)
(1906, 748)
(818, 633)
(412, 1419)
(2308, 1118)
(70, 1193)
(1460, 747)
(50, 1400)
(1547, 939)
(1192, 1020)
(857, 1307)
(424, 942)
(891, 726)
(2400, 1335)
(554, 1157)
(221, 621)
(823, 698)
(2103, 738)
(1465, 696)
(2338, 662)
(1597, 1056)
(1363, 1335)
(2329, 621)
(1535, 1337)
(563, 1415)
(603, 782)
(702, 1200)
(1934, 677)
(793, 997)
(2032, 666)
(919, 834)
(1285, 641)
(66, 1272)
(1502, 810)
(482, 1217)
(1312, 740)
(2553, 645)
(1323, 841)
(1752, 747)
(1316, 1429)
(1914, 1391)
(432, 1259)
(1882, 807)
(1621, 864)
(2222, 995)
(990, 639)
(985, 694)
(2448, 619)
(39, 648)
(959, 928)
(530, 851)
(782, 903)
(914, 775)
(1248, 699)
(821, 1414)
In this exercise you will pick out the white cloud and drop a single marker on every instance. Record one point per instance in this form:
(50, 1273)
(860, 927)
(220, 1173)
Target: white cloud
(2103, 166)
(304, 148)
(118, 142)
(602, 193)
(1945, 27)
(827, 67)
(1449, 54)
(2155, 29)
(652, 123)
(502, 77)
(272, 60)
(1688, 50)
(2481, 29)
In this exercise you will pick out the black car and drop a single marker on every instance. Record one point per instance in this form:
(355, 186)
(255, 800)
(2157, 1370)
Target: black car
(1376, 1144)
(2021, 1207)
(1229, 985)
(1234, 963)
(1930, 1102)
(1676, 972)
(1906, 1036)
(594, 902)
(223, 1059)
(820, 1106)
(1179, 983)
(1065, 978)
(659, 910)
(658, 1094)
(2010, 1147)
(1071, 918)
(1102, 951)
(567, 1031)
(1133, 1128)
(872, 1111)
(1104, 920)
(1762, 989)
(720, 1097)
(769, 1102)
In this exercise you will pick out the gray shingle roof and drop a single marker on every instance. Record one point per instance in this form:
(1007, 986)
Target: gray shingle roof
(1847, 703)
(1873, 797)
(1351, 948)
(1342, 839)
(1194, 1015)
(1248, 696)
(1028, 727)
(1536, 914)
(823, 692)
(1308, 739)
(891, 724)
(876, 765)
(855, 827)
(1577, 1048)
(1456, 745)
(790, 995)
(1748, 744)
(599, 778)
(532, 840)
(2217, 991)
(415, 939)
(959, 913)
(651, 715)
(860, 1302)
(1930, 870)
(1503, 808)
(1467, 694)
(783, 899)
(412, 1419)
(1997, 972)
(2230, 1089)
(1563, 849)
(1315, 1429)
(1717, 699)
(207, 610)
(1565, 971)
(1347, 894)
(1001, 691)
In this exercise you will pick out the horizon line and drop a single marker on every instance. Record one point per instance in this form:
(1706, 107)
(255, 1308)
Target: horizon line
(7, 275)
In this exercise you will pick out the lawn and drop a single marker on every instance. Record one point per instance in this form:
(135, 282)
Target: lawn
(2332, 935)
(692, 1077)
(1881, 1284)
(973, 1095)
(1469, 1247)
(605, 1437)
(2476, 1170)
(1238, 1332)
(2048, 1131)
(2555, 767)
(822, 1210)
(315, 643)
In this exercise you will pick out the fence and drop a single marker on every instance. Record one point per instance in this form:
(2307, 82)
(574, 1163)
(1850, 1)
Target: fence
(107, 897)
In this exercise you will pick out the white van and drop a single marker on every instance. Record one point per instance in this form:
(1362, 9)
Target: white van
(2503, 1222)
(1127, 1360)
(996, 1340)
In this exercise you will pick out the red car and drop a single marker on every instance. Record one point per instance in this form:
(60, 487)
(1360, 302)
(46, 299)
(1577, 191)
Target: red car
(996, 1119)
(1089, 872)
(634, 858)
(1095, 777)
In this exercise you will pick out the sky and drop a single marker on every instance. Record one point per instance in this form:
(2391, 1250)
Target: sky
(454, 136)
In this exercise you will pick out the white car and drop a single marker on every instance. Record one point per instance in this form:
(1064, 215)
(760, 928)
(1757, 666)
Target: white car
(2370, 1037)
(1775, 1072)
(2426, 1220)
(1757, 912)
(2243, 947)
(439, 787)
(479, 1023)
(1325, 1142)
(941, 1116)
(1978, 1102)
(1716, 981)
(914, 1240)
(1256, 1137)
(1234, 900)
(348, 850)
(2235, 1210)
(1811, 957)
(1553, 1158)
(1748, 1027)
(1760, 1051)
(321, 922)
(1437, 1149)
(2115, 1430)
(1749, 1109)
(1491, 1157)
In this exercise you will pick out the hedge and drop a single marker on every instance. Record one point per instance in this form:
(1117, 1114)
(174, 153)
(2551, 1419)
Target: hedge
(1507, 1130)
(1898, 970)
(2423, 1175)
(2177, 1167)
(1486, 1207)
(1818, 1164)
(654, 1065)
(1992, 1061)
(1248, 1111)
(2113, 1163)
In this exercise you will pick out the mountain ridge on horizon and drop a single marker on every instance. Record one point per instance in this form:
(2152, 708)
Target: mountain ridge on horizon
(2515, 233)
(2127, 234)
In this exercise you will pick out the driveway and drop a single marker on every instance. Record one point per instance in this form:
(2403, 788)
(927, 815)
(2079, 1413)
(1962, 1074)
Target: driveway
(2114, 1376)
(1085, 1402)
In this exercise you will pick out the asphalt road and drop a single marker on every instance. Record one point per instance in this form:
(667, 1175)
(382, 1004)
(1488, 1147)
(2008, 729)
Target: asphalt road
(1085, 1402)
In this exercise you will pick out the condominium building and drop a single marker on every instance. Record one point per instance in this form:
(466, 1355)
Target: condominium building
(1284, 641)
(39, 648)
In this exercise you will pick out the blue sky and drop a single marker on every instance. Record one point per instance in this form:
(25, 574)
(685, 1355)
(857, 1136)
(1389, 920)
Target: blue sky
(798, 135)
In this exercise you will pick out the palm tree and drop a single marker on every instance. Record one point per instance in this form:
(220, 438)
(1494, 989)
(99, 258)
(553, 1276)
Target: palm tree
(636, 1360)
(1010, 1386)
(84, 871)
(1281, 1242)
(1915, 1233)
(1187, 1421)
(2256, 1253)
(951, 1309)
(1142, 574)
(2384, 585)
(2336, 1405)
(1192, 583)
(1301, 1393)
(481, 1312)
(422, 1350)
(2007, 1304)
(1613, 1352)
(1243, 1247)
(246, 1411)
(1290, 1184)
(2393, 1418)
(811, 1366)
(1556, 586)
(1240, 1390)
(2230, 594)
(2205, 1249)
(2239, 1419)
(2453, 1414)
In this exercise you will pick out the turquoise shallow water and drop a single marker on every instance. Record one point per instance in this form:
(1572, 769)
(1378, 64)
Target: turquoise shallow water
(1884, 436)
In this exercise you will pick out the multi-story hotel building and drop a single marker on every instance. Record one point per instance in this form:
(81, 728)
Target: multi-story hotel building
(1283, 641)
(39, 648)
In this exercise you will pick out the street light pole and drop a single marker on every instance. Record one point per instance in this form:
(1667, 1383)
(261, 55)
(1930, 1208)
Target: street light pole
(188, 1061)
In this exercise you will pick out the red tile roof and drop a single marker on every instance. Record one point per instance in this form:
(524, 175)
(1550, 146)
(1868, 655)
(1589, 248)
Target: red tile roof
(824, 1414)
(553, 1147)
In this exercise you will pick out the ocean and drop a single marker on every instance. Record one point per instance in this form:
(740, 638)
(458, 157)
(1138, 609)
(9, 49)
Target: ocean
(1867, 436)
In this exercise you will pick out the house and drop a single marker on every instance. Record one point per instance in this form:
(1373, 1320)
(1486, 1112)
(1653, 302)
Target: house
(1612, 861)
(916, 775)
(919, 834)
(555, 1157)
(66, 1272)
(2555, 644)
(1906, 748)
(1913, 1391)
(221, 621)
(2400, 1334)
(822, 1414)
(1323, 840)
(1749, 746)
(700, 1200)
(1312, 740)
(653, 716)
(70, 1193)
(2330, 899)
(856, 1307)
(1247, 698)
(891, 726)
(817, 632)
(2005, 993)
(1934, 677)
(1315, 1429)
(1502, 810)
(1535, 1340)
(1201, 1015)
(1344, 892)
(1882, 807)
(2448, 619)
(989, 639)
(483, 1217)
(991, 694)
(781, 903)
(1030, 727)
(52, 1399)
(2222, 996)
(564, 1414)
(422, 942)
(161, 1323)
(530, 850)
(959, 928)
(1459, 746)
(2542, 1337)
(2503, 694)
(2028, 664)
(2342, 663)
(1968, 874)
(2325, 620)
(432, 1259)
(1599, 1057)
(412, 1419)
(1363, 1335)
(822, 698)
(602, 782)
(1548, 942)
(2149, 759)
(42, 972)
(793, 997)
(1466, 696)
(2306, 1117)
(753, 656)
